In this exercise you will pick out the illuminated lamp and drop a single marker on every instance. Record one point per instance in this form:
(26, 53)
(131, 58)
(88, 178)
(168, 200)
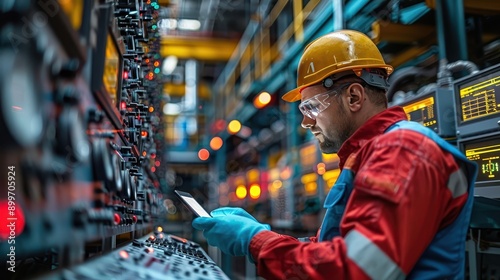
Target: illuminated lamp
(321, 168)
(233, 127)
(11, 214)
(262, 100)
(241, 191)
(203, 154)
(216, 143)
(255, 191)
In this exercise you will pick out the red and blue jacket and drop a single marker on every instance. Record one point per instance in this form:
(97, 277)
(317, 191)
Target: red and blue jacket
(400, 209)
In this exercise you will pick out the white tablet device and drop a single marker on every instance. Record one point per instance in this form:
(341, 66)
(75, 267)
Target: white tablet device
(192, 204)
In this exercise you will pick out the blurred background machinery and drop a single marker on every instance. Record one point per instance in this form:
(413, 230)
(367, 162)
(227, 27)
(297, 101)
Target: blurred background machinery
(107, 106)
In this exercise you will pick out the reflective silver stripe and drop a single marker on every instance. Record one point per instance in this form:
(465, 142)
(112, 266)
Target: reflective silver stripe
(457, 183)
(368, 256)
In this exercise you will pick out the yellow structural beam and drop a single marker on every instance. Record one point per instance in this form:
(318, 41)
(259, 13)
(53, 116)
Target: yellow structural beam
(401, 33)
(419, 39)
(481, 7)
(199, 48)
(180, 90)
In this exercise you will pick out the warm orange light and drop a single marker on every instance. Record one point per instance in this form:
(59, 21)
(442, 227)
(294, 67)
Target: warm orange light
(144, 133)
(286, 173)
(146, 60)
(156, 63)
(123, 254)
(321, 168)
(144, 153)
(216, 143)
(241, 191)
(255, 191)
(262, 100)
(233, 127)
(151, 109)
(160, 229)
(203, 154)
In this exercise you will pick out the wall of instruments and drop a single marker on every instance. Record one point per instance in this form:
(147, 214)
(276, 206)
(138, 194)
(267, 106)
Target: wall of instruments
(81, 131)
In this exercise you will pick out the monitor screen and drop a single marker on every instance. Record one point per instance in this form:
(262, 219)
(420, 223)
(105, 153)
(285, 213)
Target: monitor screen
(422, 111)
(112, 69)
(480, 97)
(486, 153)
(434, 110)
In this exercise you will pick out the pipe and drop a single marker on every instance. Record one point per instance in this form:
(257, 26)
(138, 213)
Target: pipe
(446, 70)
(400, 77)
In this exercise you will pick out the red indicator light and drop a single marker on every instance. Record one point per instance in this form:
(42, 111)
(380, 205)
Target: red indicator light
(12, 218)
(117, 219)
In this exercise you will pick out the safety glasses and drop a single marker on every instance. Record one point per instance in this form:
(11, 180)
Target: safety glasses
(318, 103)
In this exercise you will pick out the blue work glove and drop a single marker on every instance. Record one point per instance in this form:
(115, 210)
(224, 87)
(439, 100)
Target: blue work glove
(230, 229)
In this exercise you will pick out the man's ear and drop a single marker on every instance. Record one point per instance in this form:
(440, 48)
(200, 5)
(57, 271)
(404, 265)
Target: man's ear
(356, 96)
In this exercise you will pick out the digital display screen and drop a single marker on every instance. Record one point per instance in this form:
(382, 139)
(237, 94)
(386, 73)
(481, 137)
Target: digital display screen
(486, 153)
(197, 208)
(480, 98)
(111, 69)
(422, 111)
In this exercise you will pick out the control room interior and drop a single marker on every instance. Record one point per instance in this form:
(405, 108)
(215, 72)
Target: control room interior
(109, 106)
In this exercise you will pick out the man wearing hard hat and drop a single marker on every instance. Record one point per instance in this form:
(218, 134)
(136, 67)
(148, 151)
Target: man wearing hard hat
(401, 206)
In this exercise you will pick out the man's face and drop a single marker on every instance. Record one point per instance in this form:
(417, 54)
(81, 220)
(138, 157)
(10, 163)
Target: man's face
(332, 126)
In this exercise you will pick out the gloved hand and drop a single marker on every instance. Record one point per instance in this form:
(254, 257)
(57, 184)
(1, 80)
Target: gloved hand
(230, 229)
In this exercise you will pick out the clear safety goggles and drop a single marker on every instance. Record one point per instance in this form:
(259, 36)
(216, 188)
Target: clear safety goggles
(318, 103)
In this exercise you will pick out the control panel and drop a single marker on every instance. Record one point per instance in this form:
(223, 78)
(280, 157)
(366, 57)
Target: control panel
(155, 256)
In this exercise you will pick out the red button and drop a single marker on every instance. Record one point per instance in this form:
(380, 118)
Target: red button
(117, 219)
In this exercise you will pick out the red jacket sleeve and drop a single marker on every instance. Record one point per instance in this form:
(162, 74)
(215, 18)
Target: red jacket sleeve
(399, 201)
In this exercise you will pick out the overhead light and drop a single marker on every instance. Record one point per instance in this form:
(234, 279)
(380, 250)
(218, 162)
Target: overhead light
(189, 24)
(172, 109)
(169, 64)
(167, 23)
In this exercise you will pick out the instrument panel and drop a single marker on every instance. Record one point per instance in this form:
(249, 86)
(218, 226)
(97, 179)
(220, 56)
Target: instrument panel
(80, 113)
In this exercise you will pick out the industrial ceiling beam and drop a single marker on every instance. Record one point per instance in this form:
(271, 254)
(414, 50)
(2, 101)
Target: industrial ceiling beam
(199, 48)
(385, 31)
(481, 7)
(177, 90)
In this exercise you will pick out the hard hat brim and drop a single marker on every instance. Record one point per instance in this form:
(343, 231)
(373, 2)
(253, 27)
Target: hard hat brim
(292, 96)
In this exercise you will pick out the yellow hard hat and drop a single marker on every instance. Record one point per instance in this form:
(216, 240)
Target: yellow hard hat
(333, 53)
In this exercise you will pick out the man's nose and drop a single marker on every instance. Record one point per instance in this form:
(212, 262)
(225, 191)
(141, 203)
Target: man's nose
(307, 122)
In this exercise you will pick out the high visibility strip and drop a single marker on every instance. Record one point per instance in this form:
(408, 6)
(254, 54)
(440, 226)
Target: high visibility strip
(368, 256)
(457, 183)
